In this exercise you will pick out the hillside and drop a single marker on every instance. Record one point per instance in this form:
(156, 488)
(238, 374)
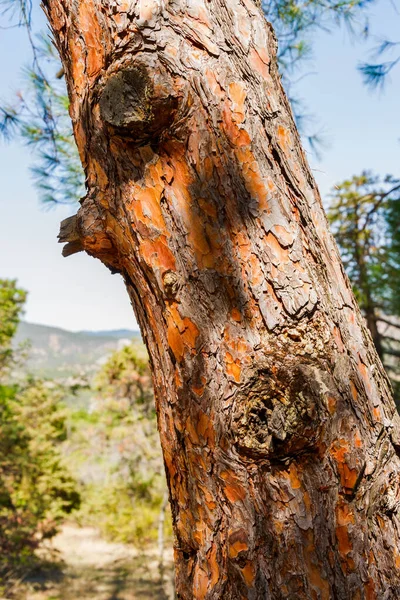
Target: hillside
(58, 353)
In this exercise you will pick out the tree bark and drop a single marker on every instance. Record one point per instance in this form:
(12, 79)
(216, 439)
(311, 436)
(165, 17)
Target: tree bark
(275, 414)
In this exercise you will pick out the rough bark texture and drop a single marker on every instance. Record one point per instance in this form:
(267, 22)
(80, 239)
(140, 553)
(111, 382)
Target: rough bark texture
(275, 415)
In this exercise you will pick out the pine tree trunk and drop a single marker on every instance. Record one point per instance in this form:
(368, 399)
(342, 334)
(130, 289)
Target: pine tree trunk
(275, 415)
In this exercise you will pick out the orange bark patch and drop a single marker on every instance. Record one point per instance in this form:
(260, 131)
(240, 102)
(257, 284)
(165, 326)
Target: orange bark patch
(182, 333)
(208, 497)
(263, 54)
(338, 339)
(237, 94)
(191, 430)
(213, 84)
(344, 544)
(381, 520)
(98, 244)
(313, 568)
(370, 593)
(93, 38)
(178, 379)
(354, 392)
(258, 64)
(191, 333)
(236, 315)
(249, 573)
(233, 490)
(253, 180)
(348, 476)
(237, 136)
(157, 254)
(307, 501)
(281, 255)
(101, 176)
(358, 440)
(147, 208)
(340, 449)
(80, 138)
(213, 565)
(198, 390)
(195, 224)
(285, 237)
(206, 429)
(175, 341)
(196, 236)
(293, 477)
(78, 67)
(200, 533)
(257, 275)
(331, 404)
(284, 138)
(236, 548)
(344, 514)
(365, 376)
(279, 526)
(233, 367)
(200, 583)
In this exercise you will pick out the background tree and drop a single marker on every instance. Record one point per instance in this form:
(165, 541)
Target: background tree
(363, 213)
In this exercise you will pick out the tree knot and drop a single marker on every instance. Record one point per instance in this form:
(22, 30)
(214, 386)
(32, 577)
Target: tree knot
(280, 411)
(137, 107)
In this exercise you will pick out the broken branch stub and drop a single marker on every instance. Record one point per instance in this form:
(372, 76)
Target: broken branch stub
(69, 232)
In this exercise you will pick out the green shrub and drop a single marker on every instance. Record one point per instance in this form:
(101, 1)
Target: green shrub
(36, 490)
(116, 451)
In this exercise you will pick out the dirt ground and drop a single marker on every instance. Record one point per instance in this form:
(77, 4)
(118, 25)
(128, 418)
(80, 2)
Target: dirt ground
(84, 566)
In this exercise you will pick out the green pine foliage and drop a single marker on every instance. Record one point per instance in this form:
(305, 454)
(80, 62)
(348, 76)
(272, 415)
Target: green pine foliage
(295, 21)
(39, 117)
(375, 74)
(39, 114)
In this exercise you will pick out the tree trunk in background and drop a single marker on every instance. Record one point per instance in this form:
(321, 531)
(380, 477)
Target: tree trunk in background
(274, 411)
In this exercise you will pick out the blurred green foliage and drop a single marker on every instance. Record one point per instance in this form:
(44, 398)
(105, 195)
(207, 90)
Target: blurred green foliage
(364, 213)
(111, 447)
(36, 489)
(12, 300)
(114, 447)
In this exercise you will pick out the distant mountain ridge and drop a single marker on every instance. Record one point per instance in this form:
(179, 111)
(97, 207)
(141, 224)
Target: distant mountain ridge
(56, 352)
(114, 333)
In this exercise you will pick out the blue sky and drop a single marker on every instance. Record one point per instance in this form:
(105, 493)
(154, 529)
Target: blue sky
(362, 129)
